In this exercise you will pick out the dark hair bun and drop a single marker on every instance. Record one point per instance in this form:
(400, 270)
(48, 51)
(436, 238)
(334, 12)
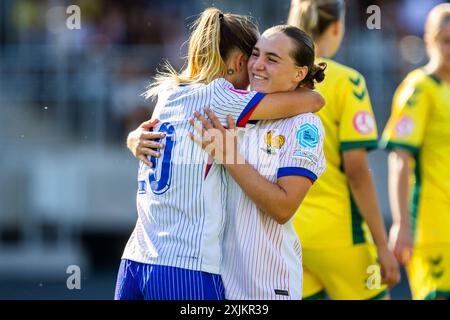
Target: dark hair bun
(319, 72)
(315, 74)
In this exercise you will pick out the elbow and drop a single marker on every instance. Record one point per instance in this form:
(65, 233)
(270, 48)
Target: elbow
(283, 220)
(283, 208)
(319, 101)
(284, 214)
(352, 176)
(357, 176)
(356, 167)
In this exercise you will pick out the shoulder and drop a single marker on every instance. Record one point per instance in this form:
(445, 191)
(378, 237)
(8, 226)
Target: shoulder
(341, 71)
(224, 86)
(414, 85)
(418, 78)
(220, 82)
(166, 91)
(305, 117)
(304, 121)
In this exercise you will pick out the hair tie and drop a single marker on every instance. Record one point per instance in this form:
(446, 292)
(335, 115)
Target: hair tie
(220, 16)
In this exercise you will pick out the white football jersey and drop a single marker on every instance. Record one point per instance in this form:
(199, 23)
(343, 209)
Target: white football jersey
(261, 258)
(181, 200)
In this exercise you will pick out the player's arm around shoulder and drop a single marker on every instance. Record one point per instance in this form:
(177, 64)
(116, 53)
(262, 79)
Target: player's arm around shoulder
(288, 104)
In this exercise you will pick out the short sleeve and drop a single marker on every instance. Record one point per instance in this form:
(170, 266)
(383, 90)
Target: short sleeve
(406, 126)
(303, 154)
(239, 103)
(357, 122)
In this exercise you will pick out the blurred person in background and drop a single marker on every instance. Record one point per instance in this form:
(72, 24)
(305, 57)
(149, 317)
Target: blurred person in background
(418, 137)
(338, 251)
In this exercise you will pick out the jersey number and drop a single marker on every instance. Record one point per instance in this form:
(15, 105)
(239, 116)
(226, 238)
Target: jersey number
(161, 184)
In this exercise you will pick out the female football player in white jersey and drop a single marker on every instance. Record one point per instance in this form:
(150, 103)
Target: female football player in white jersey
(174, 251)
(277, 163)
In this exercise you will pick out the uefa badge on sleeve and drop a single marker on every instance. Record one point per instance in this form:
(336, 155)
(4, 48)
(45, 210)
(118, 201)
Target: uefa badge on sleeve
(307, 135)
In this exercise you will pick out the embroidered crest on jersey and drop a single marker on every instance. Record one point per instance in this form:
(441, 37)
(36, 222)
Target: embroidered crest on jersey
(404, 126)
(307, 135)
(363, 122)
(273, 142)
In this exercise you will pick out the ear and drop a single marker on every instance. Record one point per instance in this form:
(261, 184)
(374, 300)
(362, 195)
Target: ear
(429, 41)
(302, 72)
(240, 61)
(336, 27)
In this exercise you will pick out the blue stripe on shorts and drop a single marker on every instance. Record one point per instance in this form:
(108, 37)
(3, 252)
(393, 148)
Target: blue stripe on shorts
(140, 281)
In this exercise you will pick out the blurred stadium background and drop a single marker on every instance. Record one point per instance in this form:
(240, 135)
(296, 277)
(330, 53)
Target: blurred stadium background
(69, 97)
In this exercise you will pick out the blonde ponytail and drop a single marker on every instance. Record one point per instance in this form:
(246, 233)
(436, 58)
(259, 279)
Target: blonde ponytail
(214, 35)
(204, 60)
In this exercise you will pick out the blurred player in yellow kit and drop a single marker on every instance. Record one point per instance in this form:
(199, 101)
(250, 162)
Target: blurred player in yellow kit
(339, 257)
(418, 135)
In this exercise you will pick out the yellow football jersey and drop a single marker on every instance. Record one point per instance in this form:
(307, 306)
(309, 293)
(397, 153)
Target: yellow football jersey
(328, 217)
(420, 123)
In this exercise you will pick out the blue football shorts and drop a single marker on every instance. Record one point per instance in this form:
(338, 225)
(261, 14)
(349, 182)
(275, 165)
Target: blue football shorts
(140, 281)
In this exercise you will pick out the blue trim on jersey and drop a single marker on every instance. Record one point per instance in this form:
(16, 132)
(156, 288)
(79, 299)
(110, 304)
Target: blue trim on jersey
(296, 171)
(243, 119)
(141, 281)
